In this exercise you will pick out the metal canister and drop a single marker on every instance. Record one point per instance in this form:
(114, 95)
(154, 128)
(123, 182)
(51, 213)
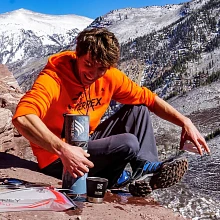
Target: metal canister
(76, 134)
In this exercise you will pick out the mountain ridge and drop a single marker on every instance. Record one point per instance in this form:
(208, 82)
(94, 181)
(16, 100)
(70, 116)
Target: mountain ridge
(157, 55)
(26, 34)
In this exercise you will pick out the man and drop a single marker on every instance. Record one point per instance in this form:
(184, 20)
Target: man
(84, 82)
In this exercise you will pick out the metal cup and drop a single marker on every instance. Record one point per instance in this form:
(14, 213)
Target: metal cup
(77, 130)
(96, 188)
(75, 185)
(76, 134)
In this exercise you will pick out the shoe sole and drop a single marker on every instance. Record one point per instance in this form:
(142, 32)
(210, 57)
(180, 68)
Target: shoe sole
(169, 174)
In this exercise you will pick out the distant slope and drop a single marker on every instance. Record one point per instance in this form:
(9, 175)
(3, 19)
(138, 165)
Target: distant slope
(201, 105)
(26, 34)
(130, 23)
(171, 49)
(179, 57)
(41, 23)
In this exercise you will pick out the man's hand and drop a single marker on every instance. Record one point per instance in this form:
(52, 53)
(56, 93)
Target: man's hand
(190, 132)
(75, 160)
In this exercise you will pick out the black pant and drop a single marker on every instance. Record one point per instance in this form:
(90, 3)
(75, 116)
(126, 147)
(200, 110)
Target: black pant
(125, 137)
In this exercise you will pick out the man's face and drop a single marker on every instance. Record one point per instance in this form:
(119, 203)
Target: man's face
(89, 71)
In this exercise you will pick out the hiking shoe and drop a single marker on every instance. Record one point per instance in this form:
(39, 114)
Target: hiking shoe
(123, 180)
(164, 174)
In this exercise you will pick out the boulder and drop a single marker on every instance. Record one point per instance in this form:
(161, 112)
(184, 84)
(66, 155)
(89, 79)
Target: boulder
(10, 94)
(6, 128)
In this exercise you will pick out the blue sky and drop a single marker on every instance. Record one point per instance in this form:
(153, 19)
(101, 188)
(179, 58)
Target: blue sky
(87, 8)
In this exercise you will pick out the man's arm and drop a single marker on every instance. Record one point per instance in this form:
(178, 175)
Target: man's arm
(189, 131)
(74, 159)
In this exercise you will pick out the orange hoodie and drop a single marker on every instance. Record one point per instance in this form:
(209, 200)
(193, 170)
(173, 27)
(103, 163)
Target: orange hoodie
(57, 91)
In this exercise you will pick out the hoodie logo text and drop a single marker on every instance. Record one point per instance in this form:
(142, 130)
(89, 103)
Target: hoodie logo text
(87, 104)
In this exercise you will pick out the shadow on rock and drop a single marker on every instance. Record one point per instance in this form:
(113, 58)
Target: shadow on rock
(9, 160)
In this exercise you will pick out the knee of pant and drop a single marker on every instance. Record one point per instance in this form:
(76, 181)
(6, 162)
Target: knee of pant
(141, 108)
(131, 141)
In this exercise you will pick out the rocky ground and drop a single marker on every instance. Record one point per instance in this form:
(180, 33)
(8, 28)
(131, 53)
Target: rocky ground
(17, 161)
(115, 206)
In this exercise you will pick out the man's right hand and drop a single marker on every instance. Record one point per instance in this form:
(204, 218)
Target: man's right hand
(75, 160)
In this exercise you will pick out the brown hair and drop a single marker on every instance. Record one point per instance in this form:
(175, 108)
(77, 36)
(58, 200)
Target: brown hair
(102, 45)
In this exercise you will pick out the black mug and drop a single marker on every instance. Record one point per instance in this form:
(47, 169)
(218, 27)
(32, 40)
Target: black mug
(96, 188)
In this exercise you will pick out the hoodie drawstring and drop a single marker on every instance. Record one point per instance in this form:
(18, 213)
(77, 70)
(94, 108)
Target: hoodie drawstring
(87, 104)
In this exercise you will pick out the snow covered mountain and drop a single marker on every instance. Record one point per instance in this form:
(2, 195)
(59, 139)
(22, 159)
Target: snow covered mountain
(26, 34)
(153, 40)
(179, 57)
(130, 23)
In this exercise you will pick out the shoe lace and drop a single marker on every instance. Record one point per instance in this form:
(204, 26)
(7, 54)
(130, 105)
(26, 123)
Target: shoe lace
(151, 167)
